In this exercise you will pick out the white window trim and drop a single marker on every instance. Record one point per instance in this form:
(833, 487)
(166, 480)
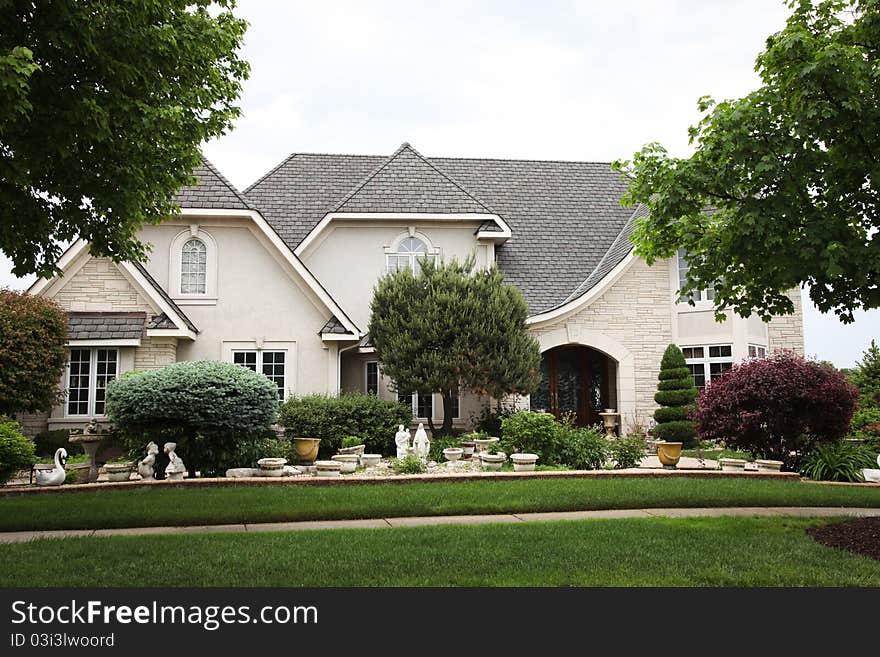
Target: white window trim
(415, 406)
(290, 369)
(367, 377)
(434, 407)
(93, 379)
(682, 303)
(706, 361)
(176, 254)
(756, 346)
(393, 249)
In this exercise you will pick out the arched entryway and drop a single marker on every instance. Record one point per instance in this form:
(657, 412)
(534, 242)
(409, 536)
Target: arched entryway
(576, 380)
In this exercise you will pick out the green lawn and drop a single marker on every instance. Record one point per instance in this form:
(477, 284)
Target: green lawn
(189, 506)
(727, 551)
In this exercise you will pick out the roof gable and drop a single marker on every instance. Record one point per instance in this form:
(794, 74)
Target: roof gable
(408, 183)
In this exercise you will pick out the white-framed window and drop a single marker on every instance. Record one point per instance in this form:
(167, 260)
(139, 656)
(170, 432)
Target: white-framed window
(193, 267)
(371, 384)
(422, 405)
(696, 295)
(407, 253)
(270, 363)
(708, 362)
(88, 373)
(757, 351)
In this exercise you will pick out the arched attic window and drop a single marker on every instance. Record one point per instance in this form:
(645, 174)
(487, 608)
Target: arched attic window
(194, 267)
(410, 250)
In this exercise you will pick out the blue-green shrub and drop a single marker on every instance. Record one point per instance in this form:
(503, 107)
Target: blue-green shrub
(216, 412)
(331, 419)
(16, 450)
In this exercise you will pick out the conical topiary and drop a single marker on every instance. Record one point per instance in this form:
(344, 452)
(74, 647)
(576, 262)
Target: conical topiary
(675, 394)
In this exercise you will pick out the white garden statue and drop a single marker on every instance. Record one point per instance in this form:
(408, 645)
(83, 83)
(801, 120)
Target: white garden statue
(145, 465)
(421, 444)
(401, 439)
(175, 467)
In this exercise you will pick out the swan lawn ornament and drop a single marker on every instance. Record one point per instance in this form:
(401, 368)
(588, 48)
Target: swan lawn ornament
(872, 474)
(55, 476)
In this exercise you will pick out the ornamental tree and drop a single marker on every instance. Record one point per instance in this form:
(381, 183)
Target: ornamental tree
(103, 106)
(783, 188)
(33, 331)
(451, 327)
(675, 394)
(216, 412)
(775, 406)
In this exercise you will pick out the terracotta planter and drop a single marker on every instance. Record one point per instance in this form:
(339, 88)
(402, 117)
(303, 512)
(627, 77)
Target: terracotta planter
(306, 449)
(524, 462)
(767, 465)
(669, 454)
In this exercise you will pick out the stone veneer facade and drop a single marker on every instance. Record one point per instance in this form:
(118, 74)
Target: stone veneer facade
(787, 331)
(155, 353)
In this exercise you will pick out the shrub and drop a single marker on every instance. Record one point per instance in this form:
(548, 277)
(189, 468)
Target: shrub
(839, 461)
(217, 413)
(675, 394)
(774, 406)
(33, 331)
(408, 465)
(439, 444)
(47, 442)
(585, 448)
(372, 419)
(16, 450)
(352, 441)
(535, 433)
(627, 452)
(489, 420)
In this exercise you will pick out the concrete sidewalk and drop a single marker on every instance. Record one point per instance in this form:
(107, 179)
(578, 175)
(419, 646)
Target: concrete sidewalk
(423, 521)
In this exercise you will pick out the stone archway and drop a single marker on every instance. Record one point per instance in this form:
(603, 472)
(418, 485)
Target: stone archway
(576, 381)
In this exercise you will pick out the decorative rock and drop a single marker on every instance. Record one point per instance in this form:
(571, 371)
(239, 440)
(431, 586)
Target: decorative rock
(370, 460)
(241, 473)
(349, 462)
(327, 468)
(524, 462)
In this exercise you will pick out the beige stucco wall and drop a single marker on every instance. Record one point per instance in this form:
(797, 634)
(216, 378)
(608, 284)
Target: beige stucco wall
(260, 301)
(631, 321)
(349, 256)
(787, 331)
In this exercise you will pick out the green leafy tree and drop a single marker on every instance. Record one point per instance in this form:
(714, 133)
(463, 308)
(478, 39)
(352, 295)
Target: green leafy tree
(452, 327)
(103, 106)
(866, 377)
(33, 331)
(867, 373)
(675, 394)
(790, 174)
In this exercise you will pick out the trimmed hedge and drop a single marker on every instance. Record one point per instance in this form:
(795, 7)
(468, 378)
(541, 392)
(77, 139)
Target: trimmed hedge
(671, 413)
(675, 394)
(16, 450)
(331, 419)
(675, 384)
(675, 397)
(674, 372)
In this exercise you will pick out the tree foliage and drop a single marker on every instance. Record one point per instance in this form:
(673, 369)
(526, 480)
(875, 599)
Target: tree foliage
(675, 394)
(771, 407)
(452, 327)
(33, 331)
(216, 412)
(790, 174)
(103, 106)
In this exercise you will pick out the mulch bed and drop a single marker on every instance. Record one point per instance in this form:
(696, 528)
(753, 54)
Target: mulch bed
(860, 535)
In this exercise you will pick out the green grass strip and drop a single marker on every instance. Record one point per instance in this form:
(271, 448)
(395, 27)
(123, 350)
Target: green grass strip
(197, 506)
(723, 551)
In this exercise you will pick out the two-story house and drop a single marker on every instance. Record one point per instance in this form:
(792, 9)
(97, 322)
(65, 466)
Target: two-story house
(279, 278)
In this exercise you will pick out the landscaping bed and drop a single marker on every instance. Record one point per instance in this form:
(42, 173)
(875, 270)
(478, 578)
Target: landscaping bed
(200, 503)
(633, 552)
(861, 535)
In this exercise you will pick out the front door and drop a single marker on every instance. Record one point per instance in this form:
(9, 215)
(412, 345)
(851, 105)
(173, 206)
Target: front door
(573, 383)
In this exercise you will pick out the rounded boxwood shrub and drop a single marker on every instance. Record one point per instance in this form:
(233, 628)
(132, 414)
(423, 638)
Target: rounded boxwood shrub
(675, 394)
(534, 433)
(217, 413)
(16, 450)
(331, 419)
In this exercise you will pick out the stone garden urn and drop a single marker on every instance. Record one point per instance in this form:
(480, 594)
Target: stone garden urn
(669, 454)
(609, 421)
(306, 449)
(90, 438)
(453, 454)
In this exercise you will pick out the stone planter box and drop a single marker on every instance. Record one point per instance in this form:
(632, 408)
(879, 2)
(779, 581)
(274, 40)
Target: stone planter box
(348, 462)
(493, 461)
(272, 467)
(118, 471)
(370, 460)
(453, 454)
(766, 465)
(524, 462)
(306, 449)
(327, 468)
(732, 465)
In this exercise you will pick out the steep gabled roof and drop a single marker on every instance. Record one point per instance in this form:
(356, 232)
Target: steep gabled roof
(212, 191)
(408, 183)
(167, 299)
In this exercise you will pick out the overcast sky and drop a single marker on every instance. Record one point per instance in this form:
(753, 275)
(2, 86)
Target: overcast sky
(582, 80)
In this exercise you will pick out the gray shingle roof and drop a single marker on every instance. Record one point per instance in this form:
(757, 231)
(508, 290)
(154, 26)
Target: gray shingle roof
(167, 299)
(161, 322)
(333, 325)
(105, 326)
(564, 216)
(212, 191)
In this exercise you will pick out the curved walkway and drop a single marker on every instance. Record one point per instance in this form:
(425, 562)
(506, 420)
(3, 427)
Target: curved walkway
(422, 521)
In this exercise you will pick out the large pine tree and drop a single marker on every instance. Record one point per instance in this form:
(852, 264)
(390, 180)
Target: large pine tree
(452, 327)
